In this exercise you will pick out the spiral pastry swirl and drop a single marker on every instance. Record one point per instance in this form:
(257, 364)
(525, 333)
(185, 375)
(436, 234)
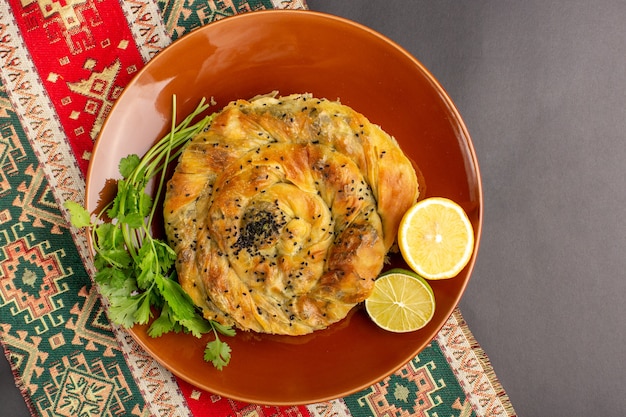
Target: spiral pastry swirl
(282, 211)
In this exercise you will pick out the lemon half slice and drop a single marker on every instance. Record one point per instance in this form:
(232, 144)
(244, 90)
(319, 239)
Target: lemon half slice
(401, 301)
(436, 238)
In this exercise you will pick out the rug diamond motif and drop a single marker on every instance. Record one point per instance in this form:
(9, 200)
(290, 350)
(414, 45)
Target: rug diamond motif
(32, 278)
(426, 387)
(83, 395)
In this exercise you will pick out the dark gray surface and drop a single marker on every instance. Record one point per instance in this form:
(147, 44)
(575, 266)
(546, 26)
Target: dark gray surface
(542, 88)
(11, 402)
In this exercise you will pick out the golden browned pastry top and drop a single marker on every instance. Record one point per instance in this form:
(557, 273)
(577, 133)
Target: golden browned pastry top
(282, 211)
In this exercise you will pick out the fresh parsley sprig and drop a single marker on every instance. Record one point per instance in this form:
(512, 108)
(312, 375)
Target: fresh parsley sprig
(135, 270)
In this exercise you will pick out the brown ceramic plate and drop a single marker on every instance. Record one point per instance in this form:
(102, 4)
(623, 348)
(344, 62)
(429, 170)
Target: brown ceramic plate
(297, 52)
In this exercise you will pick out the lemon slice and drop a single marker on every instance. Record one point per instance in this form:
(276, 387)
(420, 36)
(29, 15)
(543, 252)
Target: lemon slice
(436, 238)
(401, 301)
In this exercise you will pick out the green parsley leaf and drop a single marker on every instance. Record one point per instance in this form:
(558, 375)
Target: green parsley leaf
(124, 289)
(135, 270)
(225, 330)
(218, 353)
(114, 209)
(145, 204)
(143, 313)
(128, 165)
(147, 257)
(131, 202)
(176, 297)
(116, 257)
(145, 279)
(134, 220)
(109, 236)
(79, 216)
(163, 324)
(122, 309)
(196, 325)
(112, 277)
(164, 254)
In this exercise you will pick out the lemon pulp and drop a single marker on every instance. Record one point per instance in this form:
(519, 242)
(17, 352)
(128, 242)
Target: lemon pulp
(436, 238)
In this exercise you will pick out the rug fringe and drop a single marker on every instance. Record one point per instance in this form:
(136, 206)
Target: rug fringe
(486, 363)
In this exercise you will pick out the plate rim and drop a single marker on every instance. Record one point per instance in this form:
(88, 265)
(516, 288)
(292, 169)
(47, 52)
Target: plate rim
(443, 95)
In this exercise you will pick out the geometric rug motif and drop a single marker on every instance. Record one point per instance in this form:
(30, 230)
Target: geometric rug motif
(53, 323)
(426, 386)
(89, 57)
(182, 17)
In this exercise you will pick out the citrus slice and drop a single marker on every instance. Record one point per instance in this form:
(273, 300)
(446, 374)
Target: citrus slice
(401, 301)
(436, 238)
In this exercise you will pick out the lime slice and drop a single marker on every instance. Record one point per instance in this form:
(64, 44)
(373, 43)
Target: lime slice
(401, 301)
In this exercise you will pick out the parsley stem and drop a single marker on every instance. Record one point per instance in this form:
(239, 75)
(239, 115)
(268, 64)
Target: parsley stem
(135, 270)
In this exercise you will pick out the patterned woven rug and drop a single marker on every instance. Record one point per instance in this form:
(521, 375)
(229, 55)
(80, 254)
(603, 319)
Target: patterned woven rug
(62, 65)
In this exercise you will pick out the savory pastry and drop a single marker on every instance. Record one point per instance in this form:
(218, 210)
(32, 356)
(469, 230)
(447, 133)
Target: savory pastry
(282, 212)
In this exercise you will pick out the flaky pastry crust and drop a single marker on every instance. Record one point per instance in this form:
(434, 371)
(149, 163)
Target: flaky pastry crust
(282, 212)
